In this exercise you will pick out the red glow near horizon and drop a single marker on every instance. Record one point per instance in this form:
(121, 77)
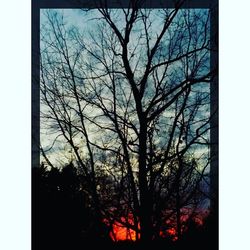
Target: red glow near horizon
(121, 232)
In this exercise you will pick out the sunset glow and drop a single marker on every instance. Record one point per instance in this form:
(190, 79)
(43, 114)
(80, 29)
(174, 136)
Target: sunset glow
(121, 232)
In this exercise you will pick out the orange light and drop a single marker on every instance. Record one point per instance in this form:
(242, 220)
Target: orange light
(121, 232)
(171, 231)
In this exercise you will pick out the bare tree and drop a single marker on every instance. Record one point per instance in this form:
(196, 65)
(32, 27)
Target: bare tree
(126, 95)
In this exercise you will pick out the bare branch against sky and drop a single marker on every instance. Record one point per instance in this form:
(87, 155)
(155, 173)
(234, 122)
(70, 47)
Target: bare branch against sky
(125, 97)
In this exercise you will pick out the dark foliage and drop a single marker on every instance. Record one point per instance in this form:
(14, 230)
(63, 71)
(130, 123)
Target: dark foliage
(61, 214)
(62, 218)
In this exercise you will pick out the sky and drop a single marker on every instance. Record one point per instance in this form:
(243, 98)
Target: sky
(15, 127)
(86, 22)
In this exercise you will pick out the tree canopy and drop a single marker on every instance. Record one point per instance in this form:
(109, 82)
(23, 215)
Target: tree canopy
(125, 97)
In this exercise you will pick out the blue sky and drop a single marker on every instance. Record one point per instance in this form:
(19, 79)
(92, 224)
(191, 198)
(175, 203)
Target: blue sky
(86, 22)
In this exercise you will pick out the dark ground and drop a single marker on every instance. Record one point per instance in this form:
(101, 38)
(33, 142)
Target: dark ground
(62, 220)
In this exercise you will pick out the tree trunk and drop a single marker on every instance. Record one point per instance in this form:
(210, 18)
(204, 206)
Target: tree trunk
(145, 197)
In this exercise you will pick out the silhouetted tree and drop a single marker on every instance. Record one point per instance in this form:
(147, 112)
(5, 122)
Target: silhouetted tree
(128, 101)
